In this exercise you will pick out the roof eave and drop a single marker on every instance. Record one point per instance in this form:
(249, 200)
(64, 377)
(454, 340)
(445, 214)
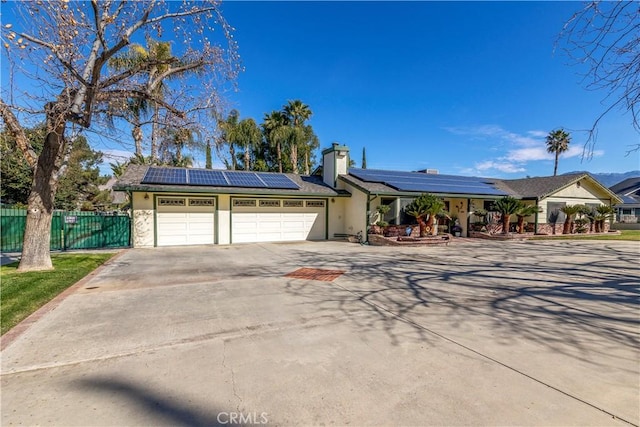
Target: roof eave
(200, 190)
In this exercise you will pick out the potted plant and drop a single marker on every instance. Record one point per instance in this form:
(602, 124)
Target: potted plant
(456, 230)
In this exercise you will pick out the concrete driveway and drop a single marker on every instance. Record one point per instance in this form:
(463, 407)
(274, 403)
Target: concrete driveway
(476, 333)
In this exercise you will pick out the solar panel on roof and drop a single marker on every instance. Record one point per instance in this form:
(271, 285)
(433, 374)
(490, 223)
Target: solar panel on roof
(454, 189)
(276, 180)
(243, 179)
(207, 177)
(423, 182)
(165, 176)
(218, 178)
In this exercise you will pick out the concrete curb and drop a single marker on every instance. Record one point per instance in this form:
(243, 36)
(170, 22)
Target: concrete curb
(12, 334)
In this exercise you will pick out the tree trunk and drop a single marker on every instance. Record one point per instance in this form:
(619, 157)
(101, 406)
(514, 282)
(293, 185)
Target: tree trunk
(36, 254)
(567, 226)
(136, 133)
(247, 158)
(423, 227)
(294, 157)
(154, 133)
(433, 225)
(555, 166)
(279, 153)
(306, 162)
(208, 156)
(234, 161)
(520, 224)
(505, 223)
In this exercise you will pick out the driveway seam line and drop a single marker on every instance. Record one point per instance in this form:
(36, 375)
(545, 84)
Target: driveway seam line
(414, 323)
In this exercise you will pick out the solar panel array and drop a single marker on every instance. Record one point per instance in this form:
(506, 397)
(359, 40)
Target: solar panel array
(431, 183)
(217, 178)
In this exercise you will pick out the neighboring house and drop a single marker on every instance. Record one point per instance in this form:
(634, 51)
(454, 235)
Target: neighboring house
(117, 197)
(629, 191)
(178, 206)
(551, 193)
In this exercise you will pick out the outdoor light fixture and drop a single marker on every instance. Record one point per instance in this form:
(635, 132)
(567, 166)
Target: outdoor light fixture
(146, 196)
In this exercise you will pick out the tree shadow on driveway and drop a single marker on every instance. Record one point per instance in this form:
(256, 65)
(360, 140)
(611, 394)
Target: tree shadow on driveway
(577, 300)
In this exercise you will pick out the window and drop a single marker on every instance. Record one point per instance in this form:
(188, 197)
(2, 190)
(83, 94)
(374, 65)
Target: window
(201, 202)
(171, 201)
(391, 216)
(315, 203)
(554, 214)
(244, 203)
(293, 203)
(488, 205)
(269, 203)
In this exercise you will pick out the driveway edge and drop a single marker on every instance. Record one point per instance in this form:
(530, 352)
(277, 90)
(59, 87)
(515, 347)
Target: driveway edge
(12, 334)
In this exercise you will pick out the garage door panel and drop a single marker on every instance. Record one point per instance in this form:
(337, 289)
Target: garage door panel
(185, 225)
(255, 224)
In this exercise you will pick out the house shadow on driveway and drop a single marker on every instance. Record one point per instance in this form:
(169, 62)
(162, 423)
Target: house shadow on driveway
(153, 404)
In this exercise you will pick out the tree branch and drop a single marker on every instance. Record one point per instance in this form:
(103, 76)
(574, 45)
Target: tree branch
(11, 121)
(132, 93)
(50, 47)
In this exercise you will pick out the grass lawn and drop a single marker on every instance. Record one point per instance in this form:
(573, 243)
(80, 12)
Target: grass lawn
(632, 235)
(24, 293)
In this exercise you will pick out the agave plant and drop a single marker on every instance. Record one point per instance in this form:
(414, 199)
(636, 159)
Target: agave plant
(523, 212)
(570, 211)
(507, 206)
(424, 209)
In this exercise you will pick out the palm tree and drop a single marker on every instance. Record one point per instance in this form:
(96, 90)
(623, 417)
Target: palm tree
(228, 129)
(426, 206)
(118, 168)
(156, 60)
(557, 143)
(247, 135)
(589, 213)
(603, 213)
(523, 212)
(507, 206)
(570, 212)
(297, 113)
(311, 143)
(175, 141)
(276, 132)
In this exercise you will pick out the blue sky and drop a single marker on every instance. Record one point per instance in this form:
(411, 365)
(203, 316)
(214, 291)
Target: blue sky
(464, 87)
(468, 88)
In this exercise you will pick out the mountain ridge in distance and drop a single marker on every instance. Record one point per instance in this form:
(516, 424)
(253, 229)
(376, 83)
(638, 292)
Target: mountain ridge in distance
(610, 179)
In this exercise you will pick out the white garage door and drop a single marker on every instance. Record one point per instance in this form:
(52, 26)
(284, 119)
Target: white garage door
(272, 220)
(185, 221)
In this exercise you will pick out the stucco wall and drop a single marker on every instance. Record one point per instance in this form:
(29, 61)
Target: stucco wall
(336, 215)
(460, 209)
(143, 220)
(580, 193)
(223, 220)
(355, 210)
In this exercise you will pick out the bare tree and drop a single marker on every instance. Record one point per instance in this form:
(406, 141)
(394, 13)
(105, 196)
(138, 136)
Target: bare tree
(604, 36)
(64, 46)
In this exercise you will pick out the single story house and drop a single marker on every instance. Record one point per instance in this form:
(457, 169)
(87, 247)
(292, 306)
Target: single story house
(179, 206)
(629, 191)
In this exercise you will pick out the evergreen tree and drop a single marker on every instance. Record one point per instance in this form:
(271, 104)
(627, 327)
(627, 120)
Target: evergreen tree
(80, 178)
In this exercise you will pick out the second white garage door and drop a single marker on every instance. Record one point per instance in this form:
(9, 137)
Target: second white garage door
(272, 220)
